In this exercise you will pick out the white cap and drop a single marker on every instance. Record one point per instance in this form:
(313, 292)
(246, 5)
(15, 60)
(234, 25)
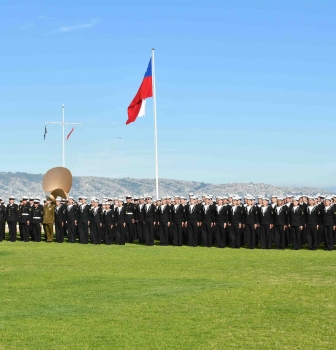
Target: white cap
(58, 199)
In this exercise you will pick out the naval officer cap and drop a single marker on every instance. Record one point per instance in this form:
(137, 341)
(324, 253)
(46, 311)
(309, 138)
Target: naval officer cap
(120, 200)
(149, 196)
(274, 196)
(36, 201)
(71, 198)
(193, 197)
(249, 197)
(24, 198)
(297, 198)
(141, 197)
(176, 196)
(58, 199)
(182, 197)
(219, 198)
(136, 198)
(328, 198)
(129, 196)
(265, 199)
(31, 199)
(12, 197)
(312, 197)
(289, 196)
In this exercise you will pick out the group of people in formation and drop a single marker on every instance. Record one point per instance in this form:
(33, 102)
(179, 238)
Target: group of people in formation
(207, 221)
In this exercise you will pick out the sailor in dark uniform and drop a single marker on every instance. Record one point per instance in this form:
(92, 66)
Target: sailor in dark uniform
(150, 219)
(36, 220)
(164, 221)
(120, 222)
(178, 220)
(207, 222)
(71, 220)
(236, 223)
(96, 223)
(266, 214)
(84, 217)
(313, 220)
(25, 210)
(221, 221)
(296, 220)
(108, 222)
(251, 221)
(193, 220)
(31, 204)
(328, 223)
(130, 210)
(280, 224)
(183, 201)
(60, 217)
(2, 220)
(136, 203)
(140, 215)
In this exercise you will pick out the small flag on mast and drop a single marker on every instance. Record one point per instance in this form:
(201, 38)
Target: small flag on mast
(138, 105)
(45, 132)
(70, 133)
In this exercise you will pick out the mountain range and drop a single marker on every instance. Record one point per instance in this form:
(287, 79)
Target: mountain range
(20, 184)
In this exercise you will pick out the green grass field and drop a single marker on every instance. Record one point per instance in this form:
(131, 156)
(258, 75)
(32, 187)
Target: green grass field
(72, 296)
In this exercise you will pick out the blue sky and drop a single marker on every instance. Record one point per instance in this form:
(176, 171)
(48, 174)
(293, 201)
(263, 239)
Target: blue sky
(245, 90)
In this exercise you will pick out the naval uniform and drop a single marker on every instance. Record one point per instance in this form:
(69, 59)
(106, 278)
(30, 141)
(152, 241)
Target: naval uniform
(193, 216)
(96, 225)
(313, 220)
(120, 221)
(60, 212)
(221, 218)
(296, 221)
(2, 222)
(140, 214)
(207, 219)
(84, 217)
(237, 221)
(24, 221)
(36, 220)
(328, 223)
(150, 215)
(266, 214)
(71, 221)
(164, 219)
(280, 223)
(251, 219)
(130, 209)
(178, 219)
(108, 222)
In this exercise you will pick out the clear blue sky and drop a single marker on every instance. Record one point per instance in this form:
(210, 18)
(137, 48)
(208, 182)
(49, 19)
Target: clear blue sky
(245, 89)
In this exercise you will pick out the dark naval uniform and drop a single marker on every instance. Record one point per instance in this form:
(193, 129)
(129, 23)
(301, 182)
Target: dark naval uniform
(237, 221)
(164, 221)
(221, 220)
(266, 215)
(251, 219)
(313, 220)
(140, 215)
(12, 216)
(2, 222)
(36, 220)
(328, 222)
(71, 220)
(280, 224)
(130, 210)
(24, 221)
(207, 219)
(83, 223)
(60, 212)
(120, 222)
(108, 222)
(96, 225)
(149, 220)
(193, 218)
(178, 220)
(296, 219)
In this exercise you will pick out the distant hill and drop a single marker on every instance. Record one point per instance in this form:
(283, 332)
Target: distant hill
(20, 184)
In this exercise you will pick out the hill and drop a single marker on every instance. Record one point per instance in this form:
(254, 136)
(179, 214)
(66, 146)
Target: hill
(19, 184)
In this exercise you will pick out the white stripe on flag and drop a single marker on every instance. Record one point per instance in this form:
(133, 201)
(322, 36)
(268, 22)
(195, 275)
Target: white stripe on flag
(142, 109)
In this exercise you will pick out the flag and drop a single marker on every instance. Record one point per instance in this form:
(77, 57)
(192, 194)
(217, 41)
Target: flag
(138, 105)
(45, 131)
(70, 133)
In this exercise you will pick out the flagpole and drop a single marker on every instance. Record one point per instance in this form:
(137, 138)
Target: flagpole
(63, 144)
(155, 128)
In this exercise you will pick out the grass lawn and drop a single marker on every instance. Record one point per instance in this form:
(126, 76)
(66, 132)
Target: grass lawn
(72, 296)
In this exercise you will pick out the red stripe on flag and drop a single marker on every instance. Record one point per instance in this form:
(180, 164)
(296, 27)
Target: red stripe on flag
(70, 133)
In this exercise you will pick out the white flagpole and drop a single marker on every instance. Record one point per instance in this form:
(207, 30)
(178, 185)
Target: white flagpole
(155, 128)
(63, 145)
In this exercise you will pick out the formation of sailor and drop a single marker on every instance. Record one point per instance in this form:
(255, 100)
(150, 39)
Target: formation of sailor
(225, 221)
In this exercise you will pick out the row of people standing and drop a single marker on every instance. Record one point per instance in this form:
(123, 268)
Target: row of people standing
(226, 221)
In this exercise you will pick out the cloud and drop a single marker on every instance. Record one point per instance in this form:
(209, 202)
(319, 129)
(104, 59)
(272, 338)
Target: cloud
(66, 29)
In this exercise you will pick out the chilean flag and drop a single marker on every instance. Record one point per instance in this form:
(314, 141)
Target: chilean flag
(137, 107)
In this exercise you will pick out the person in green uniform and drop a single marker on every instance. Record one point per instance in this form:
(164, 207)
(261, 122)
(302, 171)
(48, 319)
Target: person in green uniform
(49, 219)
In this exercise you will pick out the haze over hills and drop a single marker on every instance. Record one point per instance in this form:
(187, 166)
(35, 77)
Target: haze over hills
(20, 184)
